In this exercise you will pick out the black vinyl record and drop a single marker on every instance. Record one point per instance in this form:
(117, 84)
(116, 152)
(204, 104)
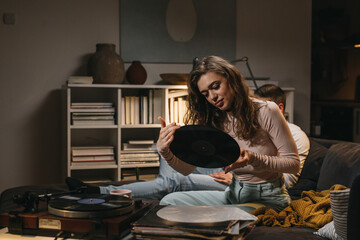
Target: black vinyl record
(204, 146)
(89, 205)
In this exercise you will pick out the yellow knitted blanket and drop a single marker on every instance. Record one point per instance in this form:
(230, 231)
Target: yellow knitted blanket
(311, 210)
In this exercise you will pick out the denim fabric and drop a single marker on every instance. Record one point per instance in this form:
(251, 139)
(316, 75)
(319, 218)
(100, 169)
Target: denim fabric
(169, 181)
(272, 194)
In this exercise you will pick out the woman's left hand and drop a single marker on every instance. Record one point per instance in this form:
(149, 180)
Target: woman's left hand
(222, 177)
(242, 161)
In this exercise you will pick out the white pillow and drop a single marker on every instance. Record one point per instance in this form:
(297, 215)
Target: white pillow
(328, 231)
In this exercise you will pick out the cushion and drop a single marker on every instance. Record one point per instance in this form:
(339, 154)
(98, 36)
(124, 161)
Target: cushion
(339, 201)
(311, 170)
(341, 165)
(328, 231)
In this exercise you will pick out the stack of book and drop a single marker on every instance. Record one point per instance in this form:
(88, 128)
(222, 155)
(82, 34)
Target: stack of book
(139, 153)
(92, 155)
(164, 222)
(80, 80)
(141, 109)
(93, 113)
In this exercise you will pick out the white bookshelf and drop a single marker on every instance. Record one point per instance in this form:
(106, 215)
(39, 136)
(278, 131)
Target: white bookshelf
(111, 135)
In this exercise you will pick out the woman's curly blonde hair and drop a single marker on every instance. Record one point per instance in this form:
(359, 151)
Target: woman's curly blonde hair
(201, 112)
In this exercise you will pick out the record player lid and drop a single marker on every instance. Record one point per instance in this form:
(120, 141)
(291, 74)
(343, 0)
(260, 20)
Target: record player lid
(205, 147)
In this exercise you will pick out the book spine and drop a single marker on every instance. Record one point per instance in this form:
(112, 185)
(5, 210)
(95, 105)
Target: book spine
(127, 110)
(123, 116)
(136, 110)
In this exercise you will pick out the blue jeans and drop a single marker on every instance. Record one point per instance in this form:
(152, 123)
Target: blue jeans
(271, 194)
(168, 181)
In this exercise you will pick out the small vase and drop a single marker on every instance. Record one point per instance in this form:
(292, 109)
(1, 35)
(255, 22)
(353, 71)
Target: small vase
(106, 66)
(136, 73)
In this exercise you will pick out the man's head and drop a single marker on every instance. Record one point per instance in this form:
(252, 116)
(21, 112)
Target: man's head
(272, 93)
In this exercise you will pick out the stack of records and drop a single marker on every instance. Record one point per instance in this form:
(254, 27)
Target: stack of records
(139, 153)
(198, 222)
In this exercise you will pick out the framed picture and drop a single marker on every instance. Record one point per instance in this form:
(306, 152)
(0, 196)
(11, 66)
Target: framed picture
(176, 31)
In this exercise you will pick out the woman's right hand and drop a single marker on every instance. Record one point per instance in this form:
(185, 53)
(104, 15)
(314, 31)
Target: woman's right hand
(166, 135)
(242, 161)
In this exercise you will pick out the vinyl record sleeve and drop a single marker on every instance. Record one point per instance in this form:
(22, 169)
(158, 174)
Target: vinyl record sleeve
(203, 214)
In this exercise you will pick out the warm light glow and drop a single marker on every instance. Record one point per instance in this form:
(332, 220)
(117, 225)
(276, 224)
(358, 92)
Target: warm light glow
(357, 45)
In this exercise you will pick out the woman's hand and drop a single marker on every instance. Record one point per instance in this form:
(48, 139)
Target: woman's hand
(242, 161)
(166, 135)
(222, 177)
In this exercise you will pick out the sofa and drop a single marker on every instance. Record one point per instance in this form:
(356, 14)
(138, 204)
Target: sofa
(329, 162)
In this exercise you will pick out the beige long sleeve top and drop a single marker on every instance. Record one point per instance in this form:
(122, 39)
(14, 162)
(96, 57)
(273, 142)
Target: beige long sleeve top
(272, 150)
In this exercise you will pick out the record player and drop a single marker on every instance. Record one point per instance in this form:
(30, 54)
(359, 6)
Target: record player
(74, 214)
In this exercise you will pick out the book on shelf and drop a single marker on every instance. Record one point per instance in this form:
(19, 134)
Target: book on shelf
(93, 117)
(94, 163)
(139, 147)
(92, 150)
(129, 155)
(80, 80)
(122, 110)
(87, 122)
(92, 114)
(171, 110)
(150, 159)
(93, 158)
(94, 109)
(86, 114)
(144, 110)
(151, 107)
(91, 105)
(132, 110)
(182, 110)
(139, 161)
(136, 110)
(127, 110)
(147, 142)
(176, 111)
(140, 165)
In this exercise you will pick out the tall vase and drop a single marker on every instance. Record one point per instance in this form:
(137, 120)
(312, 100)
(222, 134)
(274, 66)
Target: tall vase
(136, 73)
(106, 66)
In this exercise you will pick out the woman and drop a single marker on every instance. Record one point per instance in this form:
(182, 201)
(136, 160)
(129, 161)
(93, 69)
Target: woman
(219, 98)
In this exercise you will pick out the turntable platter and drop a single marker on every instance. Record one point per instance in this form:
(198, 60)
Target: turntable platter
(204, 146)
(89, 205)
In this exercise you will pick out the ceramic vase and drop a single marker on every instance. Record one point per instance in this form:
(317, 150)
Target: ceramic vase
(106, 66)
(136, 73)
